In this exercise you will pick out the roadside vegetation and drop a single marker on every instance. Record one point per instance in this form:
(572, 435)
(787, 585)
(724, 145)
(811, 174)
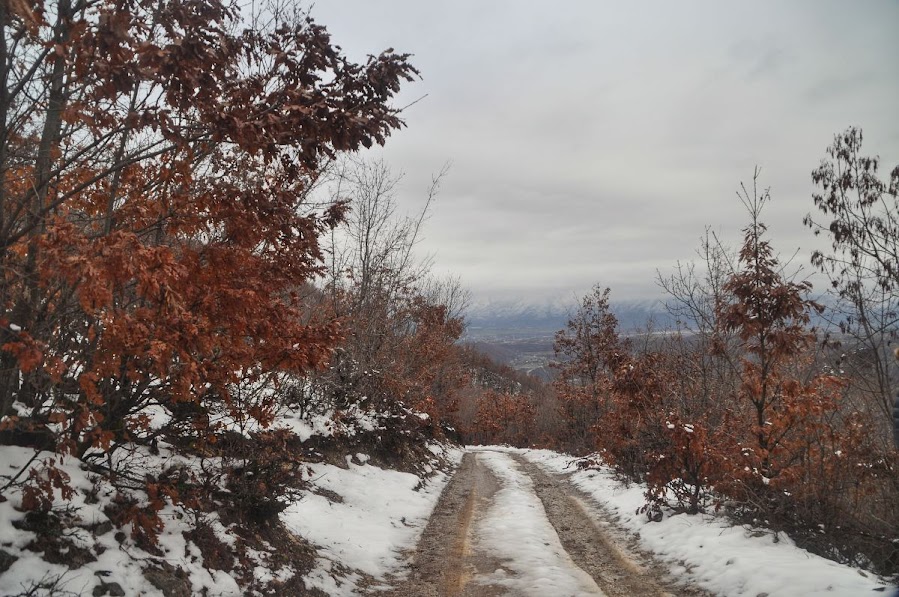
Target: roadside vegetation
(204, 289)
(761, 402)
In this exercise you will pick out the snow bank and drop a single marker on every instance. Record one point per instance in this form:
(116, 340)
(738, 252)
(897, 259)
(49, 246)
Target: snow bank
(363, 518)
(728, 560)
(118, 561)
(375, 515)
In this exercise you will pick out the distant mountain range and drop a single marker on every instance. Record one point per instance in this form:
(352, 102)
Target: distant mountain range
(522, 318)
(520, 333)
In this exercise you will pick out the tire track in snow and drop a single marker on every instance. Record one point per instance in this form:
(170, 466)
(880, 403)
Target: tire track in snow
(444, 562)
(517, 530)
(505, 527)
(594, 547)
(456, 575)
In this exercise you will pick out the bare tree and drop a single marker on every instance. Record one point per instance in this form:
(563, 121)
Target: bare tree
(696, 290)
(861, 218)
(398, 321)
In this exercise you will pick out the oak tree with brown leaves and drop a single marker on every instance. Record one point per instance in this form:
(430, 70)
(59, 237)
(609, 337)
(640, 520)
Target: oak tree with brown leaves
(589, 351)
(155, 228)
(770, 316)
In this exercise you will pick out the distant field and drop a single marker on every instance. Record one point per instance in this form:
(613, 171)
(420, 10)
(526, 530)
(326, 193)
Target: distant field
(531, 355)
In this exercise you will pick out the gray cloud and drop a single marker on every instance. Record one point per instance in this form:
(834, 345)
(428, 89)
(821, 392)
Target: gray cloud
(594, 141)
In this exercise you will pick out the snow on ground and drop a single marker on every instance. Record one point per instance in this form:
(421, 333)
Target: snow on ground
(380, 513)
(375, 515)
(519, 533)
(305, 427)
(119, 562)
(725, 559)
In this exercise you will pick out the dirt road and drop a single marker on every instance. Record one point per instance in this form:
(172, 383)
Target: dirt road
(504, 526)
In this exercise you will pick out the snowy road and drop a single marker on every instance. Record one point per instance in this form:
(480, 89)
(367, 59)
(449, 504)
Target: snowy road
(516, 529)
(503, 526)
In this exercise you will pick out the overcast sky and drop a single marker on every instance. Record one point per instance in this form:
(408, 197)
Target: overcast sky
(593, 141)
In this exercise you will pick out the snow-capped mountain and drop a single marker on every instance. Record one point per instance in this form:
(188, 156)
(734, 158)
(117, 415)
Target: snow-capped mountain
(517, 317)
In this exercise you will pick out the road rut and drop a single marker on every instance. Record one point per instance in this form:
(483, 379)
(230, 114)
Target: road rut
(456, 557)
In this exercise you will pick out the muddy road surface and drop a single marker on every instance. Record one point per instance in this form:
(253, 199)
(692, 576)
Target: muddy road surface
(505, 526)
